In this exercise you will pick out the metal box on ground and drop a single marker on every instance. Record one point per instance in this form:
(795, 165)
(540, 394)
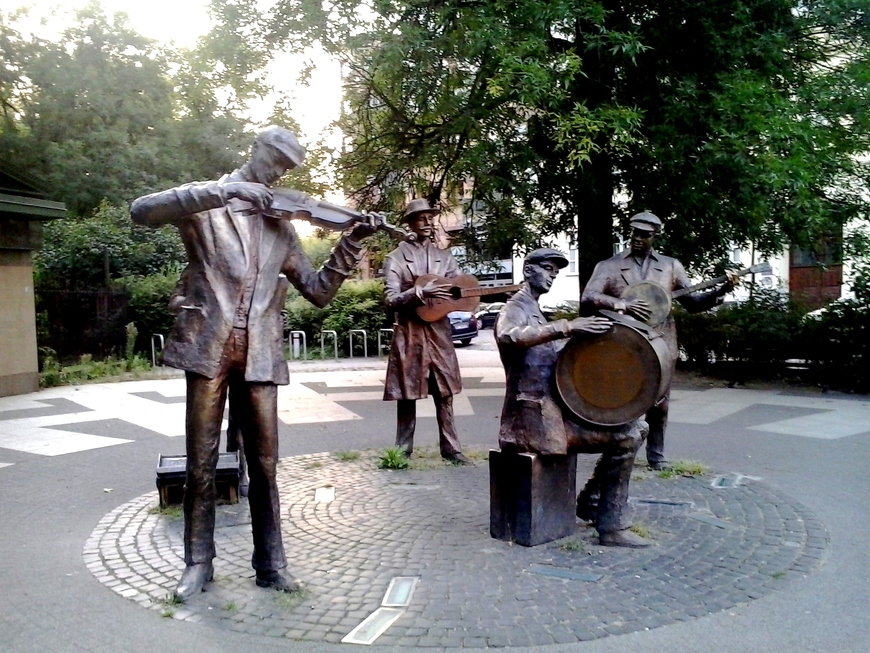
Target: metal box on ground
(171, 472)
(532, 497)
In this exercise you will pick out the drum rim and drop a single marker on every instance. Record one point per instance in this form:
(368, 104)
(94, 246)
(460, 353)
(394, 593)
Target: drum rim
(573, 401)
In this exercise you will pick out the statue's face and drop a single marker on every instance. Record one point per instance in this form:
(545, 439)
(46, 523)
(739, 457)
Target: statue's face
(268, 165)
(422, 224)
(641, 241)
(540, 276)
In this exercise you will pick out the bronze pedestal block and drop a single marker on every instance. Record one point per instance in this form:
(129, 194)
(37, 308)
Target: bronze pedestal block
(531, 497)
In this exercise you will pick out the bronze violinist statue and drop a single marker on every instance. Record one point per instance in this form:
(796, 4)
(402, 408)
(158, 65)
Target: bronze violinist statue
(228, 333)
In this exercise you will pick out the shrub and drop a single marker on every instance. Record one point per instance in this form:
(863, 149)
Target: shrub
(148, 305)
(357, 305)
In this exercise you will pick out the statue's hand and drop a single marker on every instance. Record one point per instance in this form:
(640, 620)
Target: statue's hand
(638, 308)
(435, 290)
(257, 194)
(731, 283)
(367, 226)
(590, 325)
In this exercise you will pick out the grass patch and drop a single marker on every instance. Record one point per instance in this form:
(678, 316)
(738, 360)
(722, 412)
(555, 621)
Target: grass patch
(172, 512)
(289, 600)
(684, 468)
(346, 456)
(314, 465)
(231, 607)
(640, 530)
(573, 545)
(779, 575)
(393, 458)
(169, 602)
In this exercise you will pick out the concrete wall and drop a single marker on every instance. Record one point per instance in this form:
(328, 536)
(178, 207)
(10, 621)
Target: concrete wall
(18, 364)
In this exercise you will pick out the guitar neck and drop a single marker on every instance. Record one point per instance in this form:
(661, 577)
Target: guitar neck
(759, 267)
(482, 291)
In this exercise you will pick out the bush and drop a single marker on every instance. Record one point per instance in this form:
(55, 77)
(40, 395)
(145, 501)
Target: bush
(357, 305)
(148, 306)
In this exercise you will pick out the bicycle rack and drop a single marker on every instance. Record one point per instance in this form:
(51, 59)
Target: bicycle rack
(334, 343)
(365, 341)
(293, 338)
(381, 333)
(155, 338)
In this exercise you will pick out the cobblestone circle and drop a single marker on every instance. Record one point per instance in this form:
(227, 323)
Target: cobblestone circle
(714, 548)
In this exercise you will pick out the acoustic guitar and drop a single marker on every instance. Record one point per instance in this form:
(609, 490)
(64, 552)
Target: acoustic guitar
(659, 300)
(465, 293)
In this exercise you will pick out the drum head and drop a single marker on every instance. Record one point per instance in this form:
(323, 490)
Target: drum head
(657, 298)
(610, 379)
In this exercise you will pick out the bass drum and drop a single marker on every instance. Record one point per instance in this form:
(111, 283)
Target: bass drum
(614, 378)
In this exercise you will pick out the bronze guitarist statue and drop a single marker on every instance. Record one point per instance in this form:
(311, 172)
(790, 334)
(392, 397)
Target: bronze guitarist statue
(422, 358)
(228, 334)
(607, 289)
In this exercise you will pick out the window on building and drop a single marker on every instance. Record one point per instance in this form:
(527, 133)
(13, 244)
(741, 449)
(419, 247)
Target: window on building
(735, 255)
(572, 260)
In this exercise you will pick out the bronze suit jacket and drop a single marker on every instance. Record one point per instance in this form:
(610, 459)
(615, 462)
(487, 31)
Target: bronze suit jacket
(240, 265)
(611, 277)
(418, 347)
(529, 345)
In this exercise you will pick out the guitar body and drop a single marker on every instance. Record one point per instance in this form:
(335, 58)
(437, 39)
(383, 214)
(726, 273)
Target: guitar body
(435, 309)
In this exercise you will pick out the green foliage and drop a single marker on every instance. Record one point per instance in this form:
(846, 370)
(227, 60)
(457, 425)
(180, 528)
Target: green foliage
(105, 114)
(393, 458)
(148, 305)
(357, 305)
(54, 374)
(734, 121)
(79, 252)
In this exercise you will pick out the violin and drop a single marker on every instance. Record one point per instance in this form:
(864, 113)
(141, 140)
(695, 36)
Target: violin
(289, 204)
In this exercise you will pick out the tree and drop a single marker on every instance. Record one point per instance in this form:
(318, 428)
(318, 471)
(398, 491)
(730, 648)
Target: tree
(100, 114)
(735, 120)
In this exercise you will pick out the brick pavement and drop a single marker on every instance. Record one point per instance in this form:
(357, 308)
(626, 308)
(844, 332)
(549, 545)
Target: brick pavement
(715, 548)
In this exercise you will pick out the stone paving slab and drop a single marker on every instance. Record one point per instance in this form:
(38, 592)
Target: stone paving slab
(714, 548)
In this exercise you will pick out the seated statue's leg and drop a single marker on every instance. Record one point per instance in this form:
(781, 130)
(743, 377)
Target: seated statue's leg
(613, 474)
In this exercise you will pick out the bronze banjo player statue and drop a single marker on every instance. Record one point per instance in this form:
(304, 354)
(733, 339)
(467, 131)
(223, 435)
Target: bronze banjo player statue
(629, 283)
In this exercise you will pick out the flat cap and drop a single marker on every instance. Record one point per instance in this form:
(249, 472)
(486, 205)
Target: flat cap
(546, 254)
(284, 141)
(646, 221)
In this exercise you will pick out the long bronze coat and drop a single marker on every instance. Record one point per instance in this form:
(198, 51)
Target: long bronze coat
(418, 347)
(612, 276)
(237, 257)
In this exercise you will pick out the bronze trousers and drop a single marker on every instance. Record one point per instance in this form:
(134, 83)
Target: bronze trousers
(257, 412)
(406, 421)
(608, 487)
(657, 418)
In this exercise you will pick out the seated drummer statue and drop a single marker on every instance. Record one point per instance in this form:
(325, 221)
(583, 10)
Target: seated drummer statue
(533, 421)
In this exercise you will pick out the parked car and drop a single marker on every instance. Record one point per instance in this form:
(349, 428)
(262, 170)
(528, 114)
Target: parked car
(463, 326)
(487, 314)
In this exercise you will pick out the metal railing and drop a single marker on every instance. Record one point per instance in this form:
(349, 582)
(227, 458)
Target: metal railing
(334, 335)
(292, 339)
(365, 342)
(381, 333)
(155, 338)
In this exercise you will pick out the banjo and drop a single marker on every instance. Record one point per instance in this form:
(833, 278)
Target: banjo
(659, 300)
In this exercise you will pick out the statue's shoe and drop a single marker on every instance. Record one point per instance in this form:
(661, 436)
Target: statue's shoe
(457, 458)
(193, 580)
(276, 581)
(624, 538)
